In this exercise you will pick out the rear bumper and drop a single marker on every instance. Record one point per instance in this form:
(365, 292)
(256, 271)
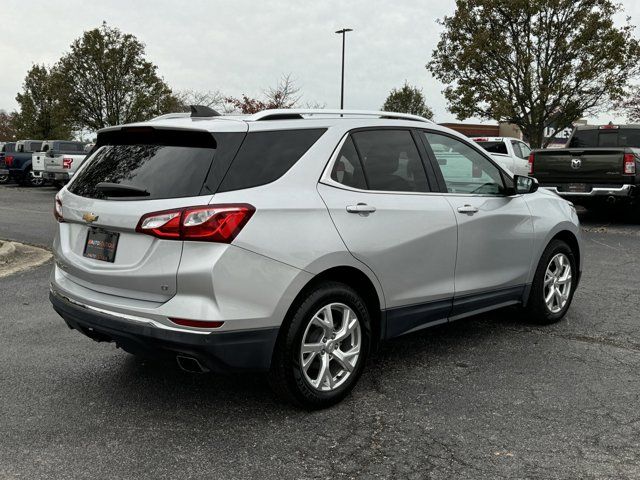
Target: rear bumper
(55, 175)
(4, 171)
(244, 350)
(609, 191)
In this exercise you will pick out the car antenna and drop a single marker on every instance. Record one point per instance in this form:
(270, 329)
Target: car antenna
(202, 111)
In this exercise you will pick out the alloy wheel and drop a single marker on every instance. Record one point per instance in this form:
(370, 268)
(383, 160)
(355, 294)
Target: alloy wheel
(330, 347)
(557, 283)
(35, 181)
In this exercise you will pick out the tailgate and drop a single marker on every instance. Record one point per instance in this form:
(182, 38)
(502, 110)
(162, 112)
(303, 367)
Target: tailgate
(98, 246)
(37, 161)
(63, 163)
(143, 267)
(598, 165)
(54, 164)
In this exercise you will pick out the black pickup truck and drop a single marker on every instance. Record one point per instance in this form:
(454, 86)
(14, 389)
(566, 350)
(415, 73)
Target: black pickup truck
(599, 165)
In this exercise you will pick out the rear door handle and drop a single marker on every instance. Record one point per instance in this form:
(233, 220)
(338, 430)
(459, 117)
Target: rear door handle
(361, 208)
(468, 209)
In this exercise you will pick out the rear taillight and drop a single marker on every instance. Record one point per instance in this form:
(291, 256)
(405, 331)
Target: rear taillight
(531, 159)
(8, 161)
(629, 164)
(66, 162)
(206, 223)
(57, 209)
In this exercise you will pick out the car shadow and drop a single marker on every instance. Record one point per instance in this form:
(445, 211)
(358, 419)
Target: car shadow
(156, 383)
(609, 216)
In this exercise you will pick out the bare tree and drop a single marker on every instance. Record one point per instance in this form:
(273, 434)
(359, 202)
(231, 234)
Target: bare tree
(286, 94)
(208, 98)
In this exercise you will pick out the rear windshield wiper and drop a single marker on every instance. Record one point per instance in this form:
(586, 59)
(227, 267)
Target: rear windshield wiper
(121, 190)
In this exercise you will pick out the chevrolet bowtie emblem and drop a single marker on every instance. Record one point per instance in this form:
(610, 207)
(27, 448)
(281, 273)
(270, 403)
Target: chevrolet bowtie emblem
(89, 217)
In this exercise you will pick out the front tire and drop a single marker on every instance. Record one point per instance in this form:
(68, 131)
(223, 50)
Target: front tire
(553, 285)
(323, 348)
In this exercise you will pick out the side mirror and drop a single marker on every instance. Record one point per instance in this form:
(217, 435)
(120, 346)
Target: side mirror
(524, 184)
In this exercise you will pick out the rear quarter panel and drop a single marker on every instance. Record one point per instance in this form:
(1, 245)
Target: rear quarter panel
(292, 224)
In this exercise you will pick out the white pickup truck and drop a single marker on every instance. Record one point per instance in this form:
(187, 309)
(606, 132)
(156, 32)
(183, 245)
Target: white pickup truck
(510, 153)
(58, 159)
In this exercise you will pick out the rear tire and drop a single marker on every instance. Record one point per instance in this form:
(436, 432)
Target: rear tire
(322, 350)
(31, 180)
(553, 285)
(4, 179)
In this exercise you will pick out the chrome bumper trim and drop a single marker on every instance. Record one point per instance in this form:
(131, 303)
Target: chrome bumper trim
(623, 191)
(132, 318)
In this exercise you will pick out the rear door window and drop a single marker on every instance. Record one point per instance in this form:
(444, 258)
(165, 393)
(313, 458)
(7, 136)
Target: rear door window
(348, 170)
(494, 147)
(265, 156)
(165, 165)
(391, 161)
(516, 149)
(524, 148)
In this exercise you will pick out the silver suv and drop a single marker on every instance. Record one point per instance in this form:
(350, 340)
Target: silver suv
(296, 241)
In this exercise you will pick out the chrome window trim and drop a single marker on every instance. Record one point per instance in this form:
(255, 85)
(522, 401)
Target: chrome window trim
(326, 179)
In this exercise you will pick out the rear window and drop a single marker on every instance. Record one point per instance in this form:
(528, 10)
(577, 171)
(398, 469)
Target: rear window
(266, 156)
(494, 147)
(71, 147)
(164, 164)
(622, 137)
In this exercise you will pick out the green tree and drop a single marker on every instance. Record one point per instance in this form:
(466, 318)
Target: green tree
(8, 131)
(105, 80)
(407, 99)
(534, 63)
(629, 106)
(41, 115)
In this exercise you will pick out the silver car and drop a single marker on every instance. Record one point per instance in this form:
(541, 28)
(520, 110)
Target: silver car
(296, 241)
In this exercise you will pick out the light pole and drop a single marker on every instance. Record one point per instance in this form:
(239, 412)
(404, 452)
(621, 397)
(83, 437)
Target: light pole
(343, 32)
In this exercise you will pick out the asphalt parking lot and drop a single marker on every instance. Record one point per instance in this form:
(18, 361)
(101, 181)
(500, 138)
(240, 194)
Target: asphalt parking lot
(488, 397)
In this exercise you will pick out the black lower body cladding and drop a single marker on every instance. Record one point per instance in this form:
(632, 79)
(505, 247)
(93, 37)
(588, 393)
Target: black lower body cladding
(247, 350)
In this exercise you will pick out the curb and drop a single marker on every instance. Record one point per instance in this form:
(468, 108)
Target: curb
(6, 249)
(17, 257)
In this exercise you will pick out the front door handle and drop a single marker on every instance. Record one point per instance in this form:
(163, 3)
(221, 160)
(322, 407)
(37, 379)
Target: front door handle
(361, 208)
(468, 209)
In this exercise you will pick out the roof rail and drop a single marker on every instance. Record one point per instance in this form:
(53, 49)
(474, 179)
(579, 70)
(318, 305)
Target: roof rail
(294, 113)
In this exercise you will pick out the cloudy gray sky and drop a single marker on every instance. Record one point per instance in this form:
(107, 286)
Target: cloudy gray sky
(244, 46)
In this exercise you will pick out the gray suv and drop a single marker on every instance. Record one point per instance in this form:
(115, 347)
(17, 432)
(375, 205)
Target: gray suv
(296, 241)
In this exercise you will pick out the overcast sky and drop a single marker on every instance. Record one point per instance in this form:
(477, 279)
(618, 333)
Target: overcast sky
(244, 46)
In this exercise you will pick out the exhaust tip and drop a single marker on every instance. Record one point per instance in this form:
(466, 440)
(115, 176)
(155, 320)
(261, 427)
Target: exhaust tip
(190, 364)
